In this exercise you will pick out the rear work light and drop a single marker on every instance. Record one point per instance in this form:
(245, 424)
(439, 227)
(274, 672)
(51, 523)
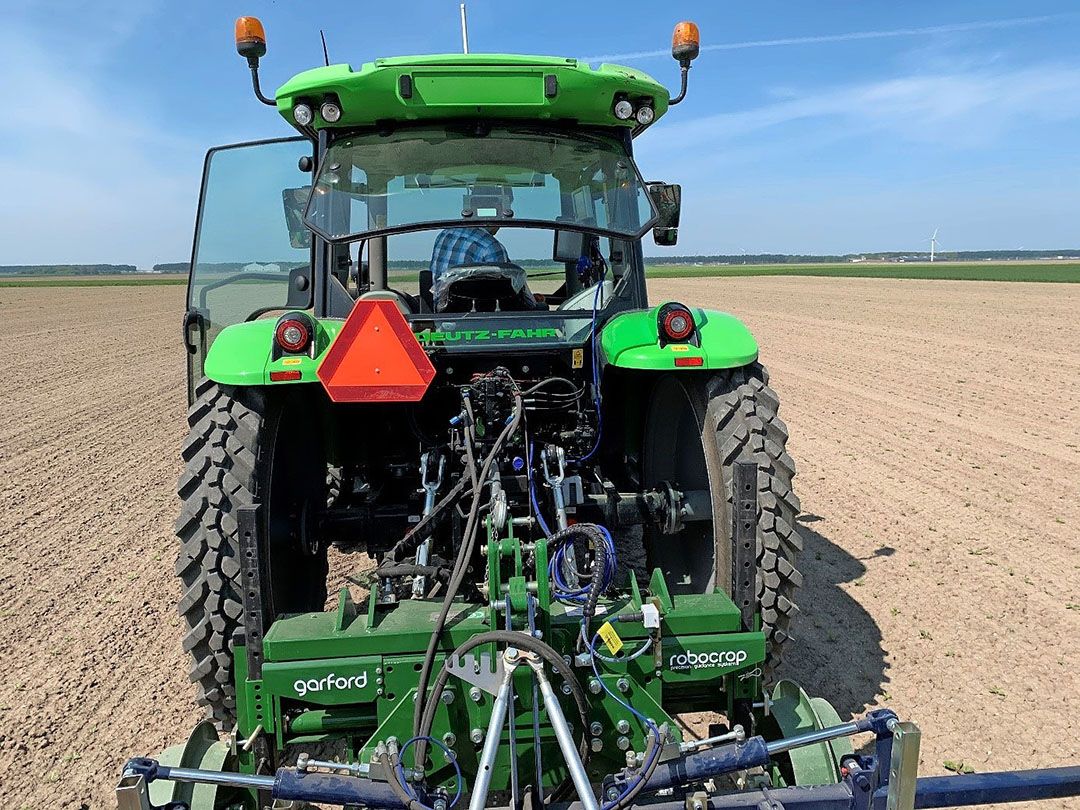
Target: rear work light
(293, 332)
(676, 323)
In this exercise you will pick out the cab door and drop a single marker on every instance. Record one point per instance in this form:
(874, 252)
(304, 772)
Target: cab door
(252, 255)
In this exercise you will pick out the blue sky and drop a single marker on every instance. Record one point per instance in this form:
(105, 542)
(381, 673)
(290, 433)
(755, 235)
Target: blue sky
(810, 127)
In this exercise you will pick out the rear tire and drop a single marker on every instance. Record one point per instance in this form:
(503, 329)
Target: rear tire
(697, 426)
(239, 453)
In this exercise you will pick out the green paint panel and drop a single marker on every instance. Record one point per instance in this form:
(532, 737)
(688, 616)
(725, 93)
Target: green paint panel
(631, 340)
(336, 682)
(470, 86)
(241, 354)
(712, 656)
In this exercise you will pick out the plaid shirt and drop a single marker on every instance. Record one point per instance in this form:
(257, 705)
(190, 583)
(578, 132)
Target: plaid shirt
(455, 247)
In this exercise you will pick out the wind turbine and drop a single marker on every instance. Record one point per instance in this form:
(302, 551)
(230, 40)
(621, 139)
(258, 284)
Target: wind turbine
(933, 244)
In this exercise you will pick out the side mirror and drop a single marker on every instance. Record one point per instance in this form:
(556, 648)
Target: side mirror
(294, 200)
(667, 197)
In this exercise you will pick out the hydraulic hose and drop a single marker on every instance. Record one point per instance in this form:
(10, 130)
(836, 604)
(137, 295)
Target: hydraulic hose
(460, 567)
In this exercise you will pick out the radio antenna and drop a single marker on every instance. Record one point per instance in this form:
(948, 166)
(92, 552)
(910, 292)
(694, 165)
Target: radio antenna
(464, 31)
(325, 53)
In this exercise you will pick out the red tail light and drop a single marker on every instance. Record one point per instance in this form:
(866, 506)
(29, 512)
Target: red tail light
(283, 376)
(292, 334)
(676, 322)
(689, 361)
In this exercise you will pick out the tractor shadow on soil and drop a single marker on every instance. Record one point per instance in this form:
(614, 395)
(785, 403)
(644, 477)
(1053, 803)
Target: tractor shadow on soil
(836, 651)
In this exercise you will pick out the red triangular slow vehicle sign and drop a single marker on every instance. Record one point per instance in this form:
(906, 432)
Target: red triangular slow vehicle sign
(376, 358)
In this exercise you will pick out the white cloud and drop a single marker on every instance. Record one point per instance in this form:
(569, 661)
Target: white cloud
(958, 110)
(851, 36)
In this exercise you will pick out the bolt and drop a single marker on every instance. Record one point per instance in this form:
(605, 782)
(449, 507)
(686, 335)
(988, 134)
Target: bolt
(595, 686)
(449, 740)
(378, 670)
(597, 745)
(623, 743)
(596, 728)
(631, 758)
(622, 727)
(623, 685)
(566, 690)
(475, 694)
(379, 681)
(567, 660)
(379, 692)
(512, 653)
(697, 804)
(612, 794)
(439, 804)
(447, 696)
(477, 735)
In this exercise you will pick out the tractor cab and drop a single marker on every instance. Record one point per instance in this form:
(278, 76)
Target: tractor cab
(483, 188)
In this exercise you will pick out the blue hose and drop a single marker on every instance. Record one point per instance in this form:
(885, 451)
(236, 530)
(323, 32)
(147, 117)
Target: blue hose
(449, 755)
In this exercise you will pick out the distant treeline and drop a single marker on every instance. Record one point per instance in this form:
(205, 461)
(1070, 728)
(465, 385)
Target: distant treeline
(66, 269)
(888, 255)
(416, 264)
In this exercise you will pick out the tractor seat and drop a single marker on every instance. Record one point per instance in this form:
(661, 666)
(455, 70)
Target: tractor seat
(404, 302)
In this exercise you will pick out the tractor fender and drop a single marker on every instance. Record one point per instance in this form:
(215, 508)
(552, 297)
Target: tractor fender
(242, 354)
(632, 340)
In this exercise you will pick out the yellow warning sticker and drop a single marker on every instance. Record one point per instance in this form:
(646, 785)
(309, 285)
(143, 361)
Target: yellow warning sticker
(578, 358)
(610, 638)
(291, 361)
(679, 347)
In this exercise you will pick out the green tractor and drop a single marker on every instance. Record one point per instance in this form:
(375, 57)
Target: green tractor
(420, 330)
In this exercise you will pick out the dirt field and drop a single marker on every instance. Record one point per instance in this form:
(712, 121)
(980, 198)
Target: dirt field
(936, 426)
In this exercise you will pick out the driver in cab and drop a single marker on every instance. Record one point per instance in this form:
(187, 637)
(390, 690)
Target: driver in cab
(464, 246)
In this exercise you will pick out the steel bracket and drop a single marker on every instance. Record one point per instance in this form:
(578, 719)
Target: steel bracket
(478, 671)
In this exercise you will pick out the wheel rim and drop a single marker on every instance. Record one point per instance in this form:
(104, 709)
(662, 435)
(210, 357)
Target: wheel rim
(673, 452)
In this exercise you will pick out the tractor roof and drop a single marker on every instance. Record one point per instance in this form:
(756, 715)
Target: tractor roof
(447, 86)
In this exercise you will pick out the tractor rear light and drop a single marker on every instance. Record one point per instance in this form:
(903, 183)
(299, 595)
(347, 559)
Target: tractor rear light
(689, 361)
(677, 323)
(330, 112)
(303, 114)
(645, 115)
(292, 334)
(624, 110)
(284, 376)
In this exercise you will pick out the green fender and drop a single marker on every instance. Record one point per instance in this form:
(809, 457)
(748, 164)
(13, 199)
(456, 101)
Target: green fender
(631, 340)
(240, 355)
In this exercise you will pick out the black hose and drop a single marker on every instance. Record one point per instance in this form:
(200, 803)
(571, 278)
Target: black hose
(396, 786)
(643, 778)
(460, 567)
(410, 570)
(596, 539)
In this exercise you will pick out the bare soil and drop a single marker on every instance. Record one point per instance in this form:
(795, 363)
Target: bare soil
(935, 424)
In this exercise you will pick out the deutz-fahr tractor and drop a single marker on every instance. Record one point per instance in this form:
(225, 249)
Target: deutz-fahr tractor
(420, 330)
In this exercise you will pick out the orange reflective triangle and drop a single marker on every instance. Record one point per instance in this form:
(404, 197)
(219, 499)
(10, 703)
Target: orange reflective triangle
(376, 358)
